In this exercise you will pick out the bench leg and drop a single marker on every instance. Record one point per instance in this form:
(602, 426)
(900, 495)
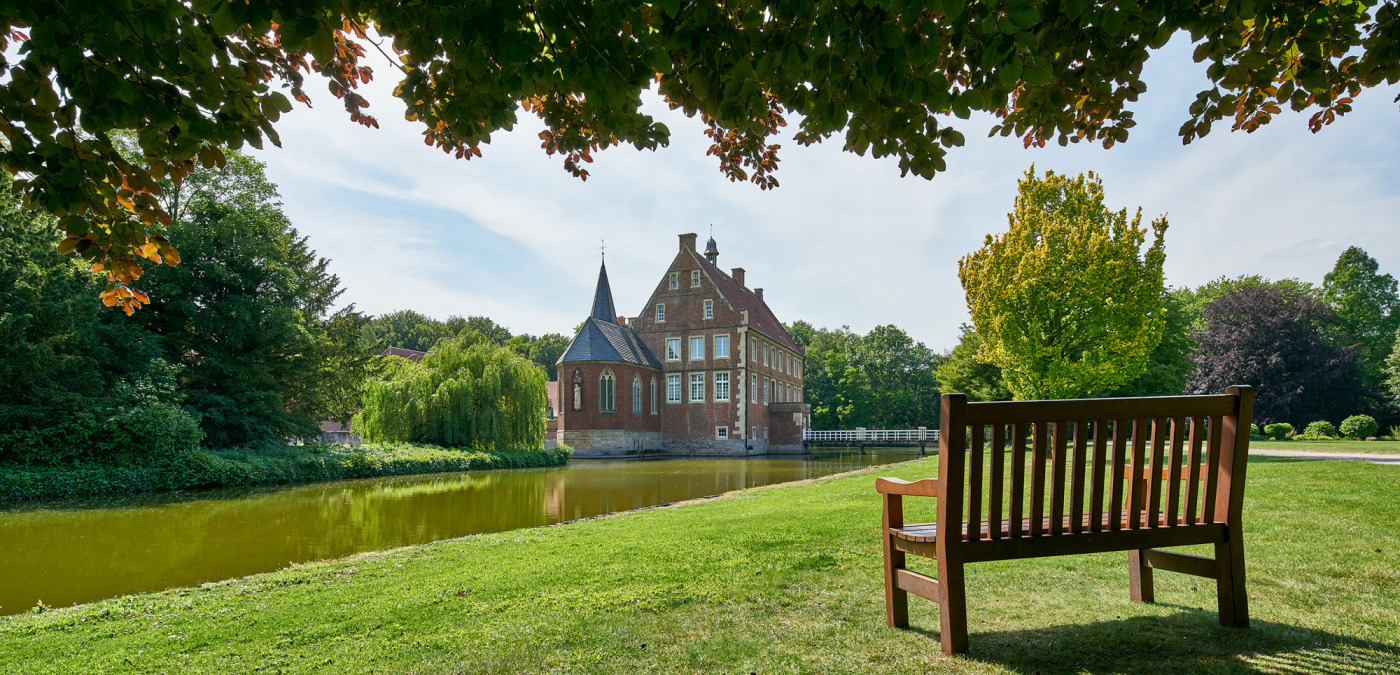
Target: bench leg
(1229, 585)
(952, 611)
(1139, 577)
(896, 599)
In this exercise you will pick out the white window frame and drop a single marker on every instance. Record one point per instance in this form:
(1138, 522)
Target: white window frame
(675, 281)
(755, 350)
(709, 309)
(722, 433)
(670, 355)
(697, 353)
(721, 387)
(754, 391)
(767, 390)
(695, 278)
(765, 354)
(697, 379)
(653, 394)
(661, 312)
(673, 386)
(721, 339)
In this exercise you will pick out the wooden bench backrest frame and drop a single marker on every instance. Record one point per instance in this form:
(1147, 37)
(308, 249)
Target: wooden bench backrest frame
(1099, 442)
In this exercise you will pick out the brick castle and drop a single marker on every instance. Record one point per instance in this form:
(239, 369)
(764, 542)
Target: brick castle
(706, 369)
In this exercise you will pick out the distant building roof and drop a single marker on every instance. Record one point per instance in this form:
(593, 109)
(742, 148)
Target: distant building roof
(410, 354)
(601, 340)
(761, 318)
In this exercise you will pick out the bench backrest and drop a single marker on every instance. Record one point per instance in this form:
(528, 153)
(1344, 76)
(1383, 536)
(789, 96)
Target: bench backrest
(1108, 464)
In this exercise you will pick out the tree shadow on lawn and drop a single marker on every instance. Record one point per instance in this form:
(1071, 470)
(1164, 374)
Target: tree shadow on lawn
(1189, 641)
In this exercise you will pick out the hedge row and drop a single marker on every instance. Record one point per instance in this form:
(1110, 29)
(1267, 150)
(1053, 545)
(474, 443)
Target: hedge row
(226, 468)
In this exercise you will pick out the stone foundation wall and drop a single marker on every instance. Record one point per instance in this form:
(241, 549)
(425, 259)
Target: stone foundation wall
(610, 442)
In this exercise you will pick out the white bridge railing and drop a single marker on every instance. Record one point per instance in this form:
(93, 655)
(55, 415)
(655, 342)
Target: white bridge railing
(862, 435)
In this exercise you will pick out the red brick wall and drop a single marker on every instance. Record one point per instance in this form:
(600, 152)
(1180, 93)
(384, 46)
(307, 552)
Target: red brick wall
(623, 417)
(684, 319)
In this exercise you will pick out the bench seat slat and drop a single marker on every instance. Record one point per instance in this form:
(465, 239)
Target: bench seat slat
(928, 532)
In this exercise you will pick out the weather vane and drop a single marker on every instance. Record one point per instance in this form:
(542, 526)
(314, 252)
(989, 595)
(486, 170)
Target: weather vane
(602, 248)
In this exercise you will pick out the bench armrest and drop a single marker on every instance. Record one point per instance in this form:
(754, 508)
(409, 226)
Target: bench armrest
(927, 487)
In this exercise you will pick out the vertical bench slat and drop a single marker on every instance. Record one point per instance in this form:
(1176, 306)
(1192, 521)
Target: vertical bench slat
(998, 452)
(1076, 491)
(1136, 498)
(1120, 451)
(1217, 426)
(1018, 477)
(1174, 466)
(974, 484)
(1159, 458)
(1057, 478)
(1096, 478)
(1037, 513)
(1193, 461)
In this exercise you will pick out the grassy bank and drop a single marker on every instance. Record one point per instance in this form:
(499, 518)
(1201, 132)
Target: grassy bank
(275, 464)
(768, 580)
(1303, 445)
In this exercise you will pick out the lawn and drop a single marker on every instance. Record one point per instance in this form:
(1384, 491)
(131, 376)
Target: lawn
(1301, 445)
(784, 579)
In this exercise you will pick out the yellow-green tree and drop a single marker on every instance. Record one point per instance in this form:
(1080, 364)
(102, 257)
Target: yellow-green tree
(1066, 301)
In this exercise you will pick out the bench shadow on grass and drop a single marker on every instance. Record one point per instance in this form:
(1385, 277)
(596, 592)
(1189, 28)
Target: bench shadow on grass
(1187, 641)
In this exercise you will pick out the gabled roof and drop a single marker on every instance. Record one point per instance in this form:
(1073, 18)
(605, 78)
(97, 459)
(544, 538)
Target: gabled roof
(761, 318)
(602, 298)
(410, 354)
(606, 341)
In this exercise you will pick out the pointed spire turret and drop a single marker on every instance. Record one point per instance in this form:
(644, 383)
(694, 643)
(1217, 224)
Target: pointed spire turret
(602, 298)
(712, 251)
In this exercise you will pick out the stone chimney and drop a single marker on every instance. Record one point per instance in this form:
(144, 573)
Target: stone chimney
(688, 241)
(738, 274)
(622, 321)
(758, 292)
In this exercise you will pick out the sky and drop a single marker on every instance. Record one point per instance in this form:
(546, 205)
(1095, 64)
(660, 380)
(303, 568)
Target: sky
(844, 241)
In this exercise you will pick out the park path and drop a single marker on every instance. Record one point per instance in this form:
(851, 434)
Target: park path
(1344, 456)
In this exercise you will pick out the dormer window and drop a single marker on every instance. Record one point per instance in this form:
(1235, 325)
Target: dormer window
(695, 278)
(709, 309)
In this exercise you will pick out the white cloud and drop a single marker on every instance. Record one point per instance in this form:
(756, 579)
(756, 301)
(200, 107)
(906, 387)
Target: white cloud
(844, 240)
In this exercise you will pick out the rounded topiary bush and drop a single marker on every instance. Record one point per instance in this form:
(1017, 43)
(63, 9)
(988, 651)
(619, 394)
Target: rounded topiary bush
(1319, 430)
(1278, 430)
(1359, 426)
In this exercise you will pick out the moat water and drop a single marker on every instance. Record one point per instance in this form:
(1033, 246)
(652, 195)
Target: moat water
(70, 553)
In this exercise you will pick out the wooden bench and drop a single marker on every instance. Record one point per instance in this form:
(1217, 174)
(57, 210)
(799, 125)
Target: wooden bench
(1119, 474)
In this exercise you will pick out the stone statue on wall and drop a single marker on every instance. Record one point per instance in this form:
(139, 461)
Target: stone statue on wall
(578, 391)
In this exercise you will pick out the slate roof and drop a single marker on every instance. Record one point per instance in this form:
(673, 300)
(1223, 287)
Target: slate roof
(606, 341)
(761, 318)
(602, 298)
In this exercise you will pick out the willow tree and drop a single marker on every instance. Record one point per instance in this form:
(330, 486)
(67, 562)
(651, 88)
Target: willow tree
(1066, 301)
(464, 393)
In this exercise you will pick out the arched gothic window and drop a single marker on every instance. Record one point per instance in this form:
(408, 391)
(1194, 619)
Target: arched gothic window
(653, 394)
(607, 389)
(636, 393)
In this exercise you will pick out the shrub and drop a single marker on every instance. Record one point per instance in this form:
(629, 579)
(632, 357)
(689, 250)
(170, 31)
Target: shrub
(1319, 430)
(1278, 431)
(1359, 426)
(1395, 432)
